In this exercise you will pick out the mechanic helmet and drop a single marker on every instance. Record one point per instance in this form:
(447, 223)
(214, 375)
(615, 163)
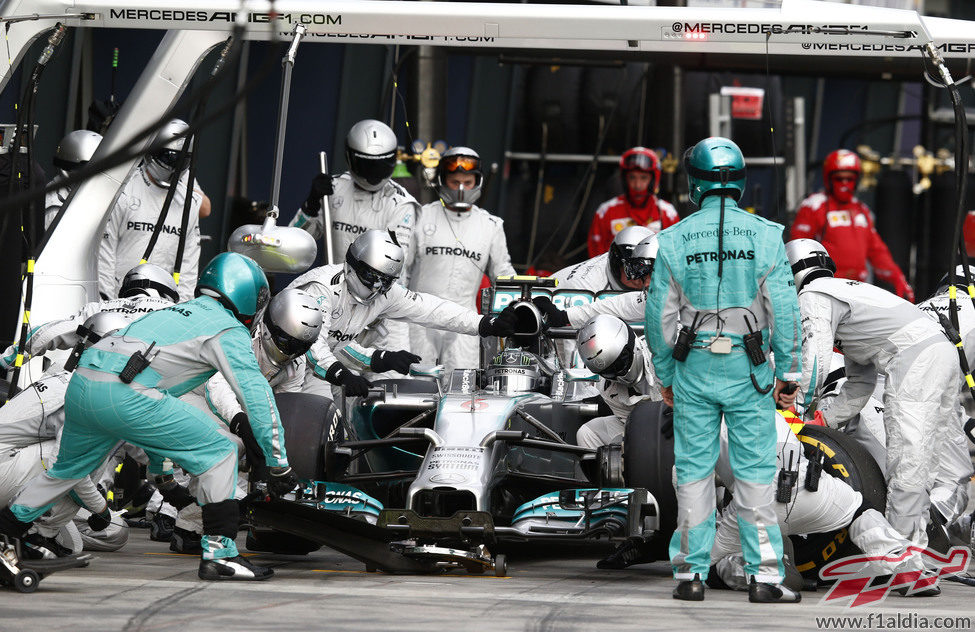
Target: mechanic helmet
(958, 279)
(370, 150)
(639, 265)
(148, 279)
(167, 160)
(714, 166)
(839, 161)
(104, 323)
(290, 325)
(513, 371)
(809, 260)
(608, 348)
(75, 149)
(465, 160)
(643, 160)
(237, 282)
(372, 264)
(622, 248)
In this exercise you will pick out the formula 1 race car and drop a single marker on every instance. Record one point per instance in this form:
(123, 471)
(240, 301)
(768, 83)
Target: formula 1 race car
(435, 472)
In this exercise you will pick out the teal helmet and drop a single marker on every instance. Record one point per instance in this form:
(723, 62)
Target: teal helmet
(237, 282)
(714, 166)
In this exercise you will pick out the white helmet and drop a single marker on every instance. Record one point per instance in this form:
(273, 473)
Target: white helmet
(76, 149)
(640, 263)
(809, 260)
(102, 324)
(959, 280)
(370, 150)
(622, 247)
(372, 264)
(290, 325)
(463, 160)
(608, 348)
(163, 162)
(148, 279)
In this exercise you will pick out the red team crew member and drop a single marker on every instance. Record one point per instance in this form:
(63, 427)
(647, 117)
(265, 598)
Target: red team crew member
(638, 205)
(844, 225)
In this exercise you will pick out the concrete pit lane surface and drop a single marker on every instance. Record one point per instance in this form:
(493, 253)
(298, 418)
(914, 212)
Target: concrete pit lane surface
(146, 588)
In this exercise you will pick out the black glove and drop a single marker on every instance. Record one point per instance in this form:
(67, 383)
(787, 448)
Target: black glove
(101, 114)
(100, 522)
(502, 325)
(352, 384)
(553, 316)
(398, 361)
(320, 187)
(667, 427)
(241, 427)
(172, 492)
(281, 480)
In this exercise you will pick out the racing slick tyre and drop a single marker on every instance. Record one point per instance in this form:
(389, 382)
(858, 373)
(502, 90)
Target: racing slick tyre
(850, 462)
(648, 462)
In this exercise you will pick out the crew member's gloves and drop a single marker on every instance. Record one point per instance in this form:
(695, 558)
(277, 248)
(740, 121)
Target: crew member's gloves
(172, 492)
(100, 521)
(241, 427)
(352, 384)
(320, 187)
(8, 358)
(554, 317)
(398, 361)
(904, 289)
(502, 325)
(281, 480)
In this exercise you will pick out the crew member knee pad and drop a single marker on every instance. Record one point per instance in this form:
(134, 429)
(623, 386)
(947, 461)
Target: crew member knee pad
(221, 518)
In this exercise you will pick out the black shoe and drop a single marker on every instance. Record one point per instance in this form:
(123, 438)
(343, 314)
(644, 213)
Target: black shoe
(233, 568)
(184, 541)
(690, 589)
(161, 528)
(632, 551)
(714, 580)
(931, 591)
(37, 547)
(760, 592)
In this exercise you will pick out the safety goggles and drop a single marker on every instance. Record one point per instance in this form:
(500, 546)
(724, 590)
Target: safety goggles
(637, 268)
(843, 179)
(638, 161)
(370, 277)
(451, 164)
(288, 344)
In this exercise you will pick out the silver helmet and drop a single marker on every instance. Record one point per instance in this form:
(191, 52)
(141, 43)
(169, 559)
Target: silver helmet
(513, 371)
(640, 263)
(370, 150)
(809, 260)
(148, 279)
(959, 279)
(162, 163)
(290, 325)
(76, 149)
(102, 324)
(622, 247)
(462, 160)
(609, 348)
(372, 264)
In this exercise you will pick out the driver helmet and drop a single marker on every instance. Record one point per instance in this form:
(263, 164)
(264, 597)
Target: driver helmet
(609, 349)
(372, 264)
(463, 160)
(513, 371)
(290, 325)
(370, 150)
(622, 248)
(169, 158)
(75, 150)
(809, 260)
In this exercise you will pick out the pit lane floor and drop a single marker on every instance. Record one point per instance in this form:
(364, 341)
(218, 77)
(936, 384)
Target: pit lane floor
(143, 587)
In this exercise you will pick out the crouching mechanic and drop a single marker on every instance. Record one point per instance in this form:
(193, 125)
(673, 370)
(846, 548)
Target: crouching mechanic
(611, 350)
(457, 243)
(879, 332)
(126, 388)
(360, 292)
(721, 286)
(832, 505)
